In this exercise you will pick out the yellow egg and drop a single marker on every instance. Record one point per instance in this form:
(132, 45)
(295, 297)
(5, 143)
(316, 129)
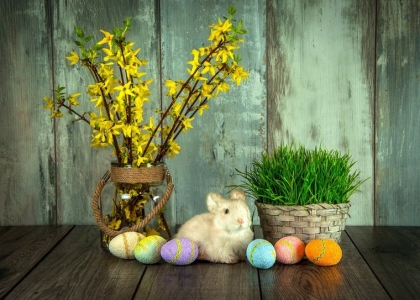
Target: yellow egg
(123, 245)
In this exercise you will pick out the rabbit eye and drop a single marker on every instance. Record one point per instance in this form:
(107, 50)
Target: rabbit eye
(226, 211)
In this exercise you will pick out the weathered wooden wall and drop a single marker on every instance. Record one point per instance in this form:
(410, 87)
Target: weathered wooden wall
(321, 63)
(341, 73)
(233, 131)
(398, 113)
(27, 158)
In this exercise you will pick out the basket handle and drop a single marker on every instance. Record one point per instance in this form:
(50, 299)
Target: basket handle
(112, 233)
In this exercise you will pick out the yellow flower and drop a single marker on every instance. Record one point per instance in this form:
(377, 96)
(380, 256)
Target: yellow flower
(195, 62)
(239, 74)
(119, 105)
(73, 58)
(223, 87)
(208, 67)
(106, 70)
(225, 53)
(202, 108)
(204, 50)
(223, 27)
(219, 30)
(49, 104)
(174, 148)
(206, 90)
(150, 126)
(176, 109)
(107, 39)
(171, 85)
(141, 160)
(124, 90)
(57, 114)
(197, 76)
(95, 120)
(98, 101)
(95, 89)
(109, 54)
(119, 92)
(165, 131)
(115, 224)
(72, 99)
(126, 130)
(186, 124)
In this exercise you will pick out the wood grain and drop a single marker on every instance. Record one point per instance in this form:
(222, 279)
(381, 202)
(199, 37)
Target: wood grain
(27, 177)
(201, 280)
(384, 265)
(79, 269)
(393, 253)
(349, 279)
(233, 131)
(320, 82)
(398, 113)
(22, 248)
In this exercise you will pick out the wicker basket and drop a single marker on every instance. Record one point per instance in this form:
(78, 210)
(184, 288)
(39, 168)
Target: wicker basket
(305, 222)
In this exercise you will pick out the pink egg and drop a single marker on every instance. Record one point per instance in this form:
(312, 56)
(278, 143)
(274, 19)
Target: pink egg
(289, 250)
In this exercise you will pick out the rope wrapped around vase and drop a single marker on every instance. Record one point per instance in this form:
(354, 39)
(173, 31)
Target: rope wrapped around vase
(132, 175)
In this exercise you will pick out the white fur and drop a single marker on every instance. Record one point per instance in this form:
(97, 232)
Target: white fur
(221, 237)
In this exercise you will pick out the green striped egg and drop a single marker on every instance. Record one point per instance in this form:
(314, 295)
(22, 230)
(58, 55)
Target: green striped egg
(261, 254)
(147, 251)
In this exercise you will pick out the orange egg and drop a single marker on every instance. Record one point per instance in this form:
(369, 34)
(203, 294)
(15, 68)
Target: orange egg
(323, 252)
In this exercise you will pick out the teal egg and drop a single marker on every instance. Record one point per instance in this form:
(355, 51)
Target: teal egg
(261, 254)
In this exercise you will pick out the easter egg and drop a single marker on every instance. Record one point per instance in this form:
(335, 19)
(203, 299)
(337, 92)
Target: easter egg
(261, 254)
(323, 252)
(289, 250)
(147, 251)
(123, 245)
(179, 251)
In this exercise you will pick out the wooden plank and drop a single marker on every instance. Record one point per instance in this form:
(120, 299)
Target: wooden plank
(398, 113)
(351, 278)
(393, 254)
(320, 82)
(200, 280)
(27, 177)
(22, 248)
(233, 131)
(79, 165)
(79, 269)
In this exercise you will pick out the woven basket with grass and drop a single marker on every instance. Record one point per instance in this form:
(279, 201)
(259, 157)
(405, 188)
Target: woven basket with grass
(314, 221)
(300, 192)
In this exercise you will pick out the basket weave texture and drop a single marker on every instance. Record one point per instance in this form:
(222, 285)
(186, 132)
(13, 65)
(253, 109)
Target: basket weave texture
(309, 222)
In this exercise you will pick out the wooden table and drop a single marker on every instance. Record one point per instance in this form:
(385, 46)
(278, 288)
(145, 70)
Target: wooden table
(66, 262)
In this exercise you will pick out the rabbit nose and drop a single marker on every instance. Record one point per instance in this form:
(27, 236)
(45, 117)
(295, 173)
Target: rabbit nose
(241, 221)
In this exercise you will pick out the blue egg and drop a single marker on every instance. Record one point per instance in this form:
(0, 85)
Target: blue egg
(261, 254)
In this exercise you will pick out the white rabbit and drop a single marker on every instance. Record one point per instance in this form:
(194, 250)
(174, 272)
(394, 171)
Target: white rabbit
(223, 233)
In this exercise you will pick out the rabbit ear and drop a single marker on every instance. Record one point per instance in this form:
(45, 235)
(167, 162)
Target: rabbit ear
(213, 201)
(237, 194)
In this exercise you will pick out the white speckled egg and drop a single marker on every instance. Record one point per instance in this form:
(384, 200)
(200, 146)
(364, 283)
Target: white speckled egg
(123, 245)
